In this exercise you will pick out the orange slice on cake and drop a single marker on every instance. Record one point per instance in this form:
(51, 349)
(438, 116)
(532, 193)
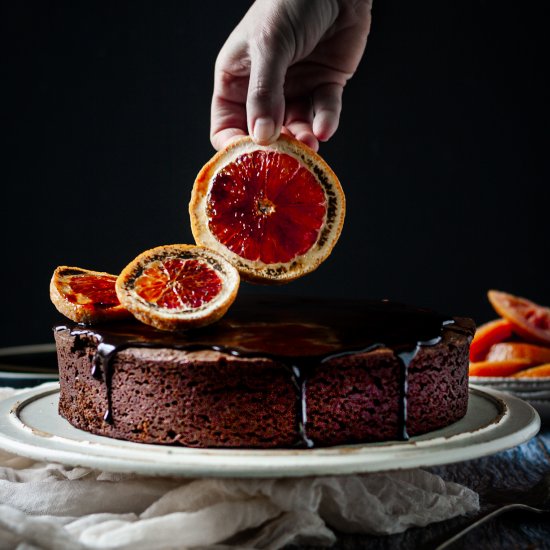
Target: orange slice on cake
(275, 212)
(85, 296)
(178, 286)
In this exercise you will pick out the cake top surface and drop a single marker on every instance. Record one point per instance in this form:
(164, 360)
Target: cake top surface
(283, 326)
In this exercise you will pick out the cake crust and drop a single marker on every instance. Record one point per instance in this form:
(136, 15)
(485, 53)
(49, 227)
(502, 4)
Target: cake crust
(210, 398)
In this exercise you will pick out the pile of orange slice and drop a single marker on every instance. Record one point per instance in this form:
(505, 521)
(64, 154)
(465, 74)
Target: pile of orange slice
(517, 344)
(267, 214)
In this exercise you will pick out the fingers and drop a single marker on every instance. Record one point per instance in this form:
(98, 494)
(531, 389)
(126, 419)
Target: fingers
(265, 104)
(327, 106)
(228, 112)
(315, 120)
(298, 121)
(250, 94)
(302, 132)
(227, 120)
(224, 137)
(310, 121)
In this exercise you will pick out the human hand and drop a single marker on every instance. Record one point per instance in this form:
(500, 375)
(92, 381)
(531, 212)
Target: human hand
(284, 68)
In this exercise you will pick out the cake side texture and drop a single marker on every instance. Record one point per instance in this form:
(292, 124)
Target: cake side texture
(213, 399)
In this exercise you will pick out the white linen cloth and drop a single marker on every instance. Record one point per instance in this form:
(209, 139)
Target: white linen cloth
(50, 506)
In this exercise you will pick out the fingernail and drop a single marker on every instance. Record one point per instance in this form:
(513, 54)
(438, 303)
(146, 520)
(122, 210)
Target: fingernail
(264, 128)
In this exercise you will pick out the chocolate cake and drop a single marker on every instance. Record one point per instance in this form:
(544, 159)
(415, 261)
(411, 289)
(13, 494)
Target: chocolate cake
(274, 373)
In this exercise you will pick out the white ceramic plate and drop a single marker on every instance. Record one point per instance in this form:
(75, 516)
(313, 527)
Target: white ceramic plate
(31, 427)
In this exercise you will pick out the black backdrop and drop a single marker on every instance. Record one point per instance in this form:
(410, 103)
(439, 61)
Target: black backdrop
(441, 149)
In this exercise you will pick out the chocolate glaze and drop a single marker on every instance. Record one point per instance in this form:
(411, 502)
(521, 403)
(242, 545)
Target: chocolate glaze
(297, 332)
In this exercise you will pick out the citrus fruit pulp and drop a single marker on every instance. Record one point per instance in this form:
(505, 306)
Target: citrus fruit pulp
(85, 296)
(531, 353)
(175, 287)
(488, 334)
(498, 368)
(540, 371)
(275, 212)
(529, 319)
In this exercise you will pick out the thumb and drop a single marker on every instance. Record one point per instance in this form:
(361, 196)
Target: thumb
(265, 104)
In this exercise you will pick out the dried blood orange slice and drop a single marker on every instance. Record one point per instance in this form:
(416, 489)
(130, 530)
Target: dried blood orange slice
(275, 212)
(503, 351)
(540, 371)
(85, 296)
(497, 369)
(488, 334)
(530, 320)
(178, 286)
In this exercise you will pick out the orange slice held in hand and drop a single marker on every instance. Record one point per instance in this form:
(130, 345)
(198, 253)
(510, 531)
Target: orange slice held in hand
(85, 296)
(275, 212)
(176, 287)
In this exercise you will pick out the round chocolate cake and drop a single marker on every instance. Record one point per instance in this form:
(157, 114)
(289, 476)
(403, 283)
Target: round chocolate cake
(275, 372)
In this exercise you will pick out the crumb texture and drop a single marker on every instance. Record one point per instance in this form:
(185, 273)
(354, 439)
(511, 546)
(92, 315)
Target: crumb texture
(211, 399)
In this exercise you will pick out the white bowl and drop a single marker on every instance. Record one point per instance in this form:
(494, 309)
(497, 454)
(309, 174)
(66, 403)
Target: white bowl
(536, 391)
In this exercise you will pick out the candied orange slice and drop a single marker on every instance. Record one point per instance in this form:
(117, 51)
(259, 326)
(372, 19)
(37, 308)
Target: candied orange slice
(178, 286)
(85, 296)
(541, 371)
(498, 368)
(488, 334)
(275, 212)
(530, 353)
(530, 320)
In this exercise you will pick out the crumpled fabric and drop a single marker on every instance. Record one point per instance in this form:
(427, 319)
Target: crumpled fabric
(51, 506)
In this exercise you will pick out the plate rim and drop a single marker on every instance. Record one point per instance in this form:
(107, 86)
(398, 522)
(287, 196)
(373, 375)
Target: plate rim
(25, 373)
(27, 349)
(509, 381)
(160, 460)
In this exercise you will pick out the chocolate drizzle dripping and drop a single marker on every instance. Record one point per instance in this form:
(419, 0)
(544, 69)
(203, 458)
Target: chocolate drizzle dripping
(405, 359)
(299, 377)
(96, 367)
(298, 333)
(106, 353)
(102, 365)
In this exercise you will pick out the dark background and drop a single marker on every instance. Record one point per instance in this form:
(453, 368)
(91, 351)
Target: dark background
(441, 149)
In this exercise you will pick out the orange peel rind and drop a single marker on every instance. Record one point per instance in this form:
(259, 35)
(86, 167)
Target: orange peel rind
(176, 287)
(85, 296)
(275, 212)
